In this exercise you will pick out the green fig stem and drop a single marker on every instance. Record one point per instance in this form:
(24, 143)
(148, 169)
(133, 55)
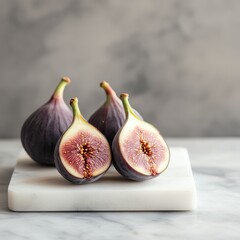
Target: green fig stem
(58, 93)
(76, 111)
(127, 107)
(109, 91)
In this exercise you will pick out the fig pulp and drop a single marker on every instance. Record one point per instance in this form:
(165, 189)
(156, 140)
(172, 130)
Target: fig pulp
(139, 151)
(109, 118)
(82, 154)
(43, 128)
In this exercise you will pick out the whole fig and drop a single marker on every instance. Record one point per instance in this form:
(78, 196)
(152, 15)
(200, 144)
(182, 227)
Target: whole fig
(109, 118)
(43, 128)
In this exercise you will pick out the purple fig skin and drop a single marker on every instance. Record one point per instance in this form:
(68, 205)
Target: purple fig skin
(109, 118)
(43, 128)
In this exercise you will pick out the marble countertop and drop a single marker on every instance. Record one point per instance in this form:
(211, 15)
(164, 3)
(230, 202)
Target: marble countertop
(216, 165)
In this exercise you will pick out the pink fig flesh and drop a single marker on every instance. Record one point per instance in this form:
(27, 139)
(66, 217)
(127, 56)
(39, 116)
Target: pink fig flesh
(84, 155)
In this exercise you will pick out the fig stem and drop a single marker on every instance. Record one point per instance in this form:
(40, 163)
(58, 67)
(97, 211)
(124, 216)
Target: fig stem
(109, 91)
(58, 93)
(127, 107)
(76, 111)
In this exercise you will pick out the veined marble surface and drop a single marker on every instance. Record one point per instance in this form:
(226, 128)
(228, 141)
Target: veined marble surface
(215, 164)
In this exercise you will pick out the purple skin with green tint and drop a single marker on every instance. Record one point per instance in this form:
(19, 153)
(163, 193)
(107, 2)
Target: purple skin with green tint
(43, 128)
(109, 118)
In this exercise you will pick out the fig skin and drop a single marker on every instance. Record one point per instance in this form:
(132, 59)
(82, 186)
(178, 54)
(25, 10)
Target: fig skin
(83, 129)
(119, 158)
(109, 118)
(43, 128)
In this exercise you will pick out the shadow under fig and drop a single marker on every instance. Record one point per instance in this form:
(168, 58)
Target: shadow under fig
(5, 177)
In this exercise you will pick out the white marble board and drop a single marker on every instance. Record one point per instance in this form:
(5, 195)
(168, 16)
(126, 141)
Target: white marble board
(37, 188)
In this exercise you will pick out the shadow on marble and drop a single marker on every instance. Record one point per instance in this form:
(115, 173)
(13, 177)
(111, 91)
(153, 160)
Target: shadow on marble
(5, 176)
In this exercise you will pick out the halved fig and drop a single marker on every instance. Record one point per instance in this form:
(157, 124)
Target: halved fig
(139, 151)
(83, 154)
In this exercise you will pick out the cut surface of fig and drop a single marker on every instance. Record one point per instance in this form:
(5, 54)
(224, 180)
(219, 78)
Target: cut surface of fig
(139, 151)
(43, 128)
(83, 154)
(143, 148)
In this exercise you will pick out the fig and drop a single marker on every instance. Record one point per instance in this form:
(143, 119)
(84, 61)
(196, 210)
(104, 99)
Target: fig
(109, 118)
(43, 128)
(139, 151)
(82, 154)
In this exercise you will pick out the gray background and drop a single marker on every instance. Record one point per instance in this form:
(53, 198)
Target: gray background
(179, 60)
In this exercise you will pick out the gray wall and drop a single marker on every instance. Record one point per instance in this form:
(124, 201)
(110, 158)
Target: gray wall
(179, 60)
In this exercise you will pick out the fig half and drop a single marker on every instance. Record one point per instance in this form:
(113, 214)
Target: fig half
(109, 118)
(82, 154)
(139, 151)
(43, 128)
